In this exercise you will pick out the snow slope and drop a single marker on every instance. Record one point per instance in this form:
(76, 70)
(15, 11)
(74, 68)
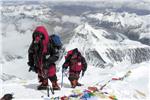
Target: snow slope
(129, 88)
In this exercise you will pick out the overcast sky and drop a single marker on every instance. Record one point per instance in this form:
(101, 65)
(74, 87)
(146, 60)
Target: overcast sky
(79, 0)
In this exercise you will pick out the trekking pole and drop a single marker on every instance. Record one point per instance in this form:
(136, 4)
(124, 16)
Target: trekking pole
(62, 79)
(82, 75)
(50, 88)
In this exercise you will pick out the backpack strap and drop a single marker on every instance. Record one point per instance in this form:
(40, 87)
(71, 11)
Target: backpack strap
(56, 41)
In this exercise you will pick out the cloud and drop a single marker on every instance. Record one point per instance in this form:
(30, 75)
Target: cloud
(57, 29)
(96, 0)
(71, 19)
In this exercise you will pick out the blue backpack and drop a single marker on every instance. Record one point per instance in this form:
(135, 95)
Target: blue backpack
(56, 41)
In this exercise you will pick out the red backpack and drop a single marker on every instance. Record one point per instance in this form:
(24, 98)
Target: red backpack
(74, 59)
(72, 53)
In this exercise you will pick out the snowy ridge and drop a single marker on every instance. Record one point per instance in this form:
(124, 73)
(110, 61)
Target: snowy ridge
(133, 26)
(123, 20)
(98, 47)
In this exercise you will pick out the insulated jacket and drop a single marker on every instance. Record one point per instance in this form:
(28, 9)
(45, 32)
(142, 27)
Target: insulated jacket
(42, 54)
(75, 61)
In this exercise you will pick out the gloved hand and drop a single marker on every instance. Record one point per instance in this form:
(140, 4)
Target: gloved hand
(63, 70)
(30, 63)
(32, 67)
(83, 73)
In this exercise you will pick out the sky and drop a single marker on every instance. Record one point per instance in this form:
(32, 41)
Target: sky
(79, 0)
(120, 1)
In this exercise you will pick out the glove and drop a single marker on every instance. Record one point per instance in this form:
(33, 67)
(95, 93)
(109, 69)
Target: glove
(32, 67)
(63, 70)
(30, 63)
(83, 73)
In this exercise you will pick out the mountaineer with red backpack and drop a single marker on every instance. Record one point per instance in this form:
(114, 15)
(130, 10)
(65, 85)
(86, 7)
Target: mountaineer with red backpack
(76, 63)
(42, 55)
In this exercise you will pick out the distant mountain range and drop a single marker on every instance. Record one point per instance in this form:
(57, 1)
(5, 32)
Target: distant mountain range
(119, 29)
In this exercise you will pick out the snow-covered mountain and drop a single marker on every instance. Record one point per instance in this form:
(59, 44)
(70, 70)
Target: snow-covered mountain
(100, 46)
(135, 27)
(112, 42)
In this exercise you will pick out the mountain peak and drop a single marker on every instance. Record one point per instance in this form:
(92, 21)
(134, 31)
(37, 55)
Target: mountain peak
(84, 29)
